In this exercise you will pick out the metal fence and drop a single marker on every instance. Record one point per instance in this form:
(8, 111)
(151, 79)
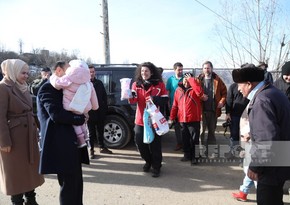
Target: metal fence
(224, 73)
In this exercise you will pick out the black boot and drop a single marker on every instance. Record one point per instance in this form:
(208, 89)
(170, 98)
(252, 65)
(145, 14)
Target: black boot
(30, 198)
(17, 199)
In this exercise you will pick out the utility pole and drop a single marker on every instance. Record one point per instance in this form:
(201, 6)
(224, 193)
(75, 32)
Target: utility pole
(20, 46)
(106, 32)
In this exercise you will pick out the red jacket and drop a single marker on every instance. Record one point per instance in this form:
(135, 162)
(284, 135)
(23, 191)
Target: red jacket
(154, 90)
(187, 105)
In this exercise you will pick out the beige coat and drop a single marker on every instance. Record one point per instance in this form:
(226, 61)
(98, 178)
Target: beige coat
(19, 168)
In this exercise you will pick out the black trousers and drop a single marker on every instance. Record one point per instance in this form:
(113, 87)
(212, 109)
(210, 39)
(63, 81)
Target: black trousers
(71, 185)
(18, 199)
(96, 132)
(190, 138)
(270, 194)
(151, 153)
(209, 121)
(178, 134)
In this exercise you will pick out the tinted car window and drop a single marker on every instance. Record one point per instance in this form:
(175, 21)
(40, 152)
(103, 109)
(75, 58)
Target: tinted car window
(119, 122)
(105, 78)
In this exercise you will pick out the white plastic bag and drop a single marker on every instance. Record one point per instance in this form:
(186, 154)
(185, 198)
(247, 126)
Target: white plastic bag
(159, 122)
(125, 88)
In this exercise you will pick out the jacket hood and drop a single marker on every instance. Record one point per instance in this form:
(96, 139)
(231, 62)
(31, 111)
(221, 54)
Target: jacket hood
(78, 72)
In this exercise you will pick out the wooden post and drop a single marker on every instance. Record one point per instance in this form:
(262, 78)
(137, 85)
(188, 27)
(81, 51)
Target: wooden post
(106, 32)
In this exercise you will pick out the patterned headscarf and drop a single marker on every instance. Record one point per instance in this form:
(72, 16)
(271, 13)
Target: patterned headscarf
(11, 69)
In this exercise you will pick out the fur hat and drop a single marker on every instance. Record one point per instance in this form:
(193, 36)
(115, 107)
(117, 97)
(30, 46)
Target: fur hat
(286, 68)
(78, 71)
(248, 73)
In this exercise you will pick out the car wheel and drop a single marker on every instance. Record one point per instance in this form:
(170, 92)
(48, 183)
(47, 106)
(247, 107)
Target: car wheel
(117, 132)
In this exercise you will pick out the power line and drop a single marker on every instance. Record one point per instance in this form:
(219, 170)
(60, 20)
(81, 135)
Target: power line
(221, 17)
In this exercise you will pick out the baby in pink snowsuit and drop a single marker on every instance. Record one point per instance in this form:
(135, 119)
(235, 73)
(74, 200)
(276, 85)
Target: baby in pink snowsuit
(79, 95)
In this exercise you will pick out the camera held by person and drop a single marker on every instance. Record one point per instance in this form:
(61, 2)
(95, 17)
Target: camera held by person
(226, 125)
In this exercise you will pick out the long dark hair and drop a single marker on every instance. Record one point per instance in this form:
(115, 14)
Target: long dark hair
(155, 77)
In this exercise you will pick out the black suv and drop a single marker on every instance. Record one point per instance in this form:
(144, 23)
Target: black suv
(119, 122)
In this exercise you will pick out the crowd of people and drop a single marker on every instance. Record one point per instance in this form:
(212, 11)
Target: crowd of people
(70, 101)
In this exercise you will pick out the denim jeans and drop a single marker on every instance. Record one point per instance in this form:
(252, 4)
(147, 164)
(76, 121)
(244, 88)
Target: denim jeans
(247, 184)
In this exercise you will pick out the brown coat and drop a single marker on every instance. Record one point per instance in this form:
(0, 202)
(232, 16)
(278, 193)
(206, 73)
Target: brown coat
(19, 168)
(220, 91)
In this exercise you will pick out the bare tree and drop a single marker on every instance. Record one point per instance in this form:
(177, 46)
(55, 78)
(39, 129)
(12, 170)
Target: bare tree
(250, 31)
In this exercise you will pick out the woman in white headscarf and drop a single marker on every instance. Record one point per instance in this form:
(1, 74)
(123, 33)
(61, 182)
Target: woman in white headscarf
(19, 154)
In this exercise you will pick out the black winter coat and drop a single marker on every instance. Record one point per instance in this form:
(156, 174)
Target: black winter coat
(236, 103)
(269, 118)
(59, 148)
(283, 86)
(100, 113)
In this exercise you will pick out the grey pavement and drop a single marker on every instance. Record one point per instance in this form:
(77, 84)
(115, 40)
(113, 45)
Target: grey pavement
(118, 180)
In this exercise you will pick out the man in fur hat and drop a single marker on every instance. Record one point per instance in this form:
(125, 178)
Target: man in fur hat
(269, 124)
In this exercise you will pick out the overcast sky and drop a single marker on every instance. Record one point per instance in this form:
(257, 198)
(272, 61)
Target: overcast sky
(160, 31)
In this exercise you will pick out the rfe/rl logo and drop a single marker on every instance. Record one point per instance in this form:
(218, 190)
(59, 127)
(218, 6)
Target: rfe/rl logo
(162, 120)
(155, 126)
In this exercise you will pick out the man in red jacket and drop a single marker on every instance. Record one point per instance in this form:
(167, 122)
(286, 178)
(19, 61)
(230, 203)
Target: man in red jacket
(187, 109)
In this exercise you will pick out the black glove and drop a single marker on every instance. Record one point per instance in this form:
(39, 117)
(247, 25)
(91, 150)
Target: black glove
(134, 94)
(79, 119)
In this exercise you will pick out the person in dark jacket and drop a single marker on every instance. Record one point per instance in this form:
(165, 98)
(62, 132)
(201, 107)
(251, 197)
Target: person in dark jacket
(269, 117)
(171, 86)
(59, 148)
(186, 109)
(235, 105)
(283, 82)
(267, 75)
(37, 83)
(96, 122)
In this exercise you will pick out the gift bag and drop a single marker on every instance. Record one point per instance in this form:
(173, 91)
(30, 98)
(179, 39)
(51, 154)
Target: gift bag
(125, 88)
(159, 122)
(148, 135)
